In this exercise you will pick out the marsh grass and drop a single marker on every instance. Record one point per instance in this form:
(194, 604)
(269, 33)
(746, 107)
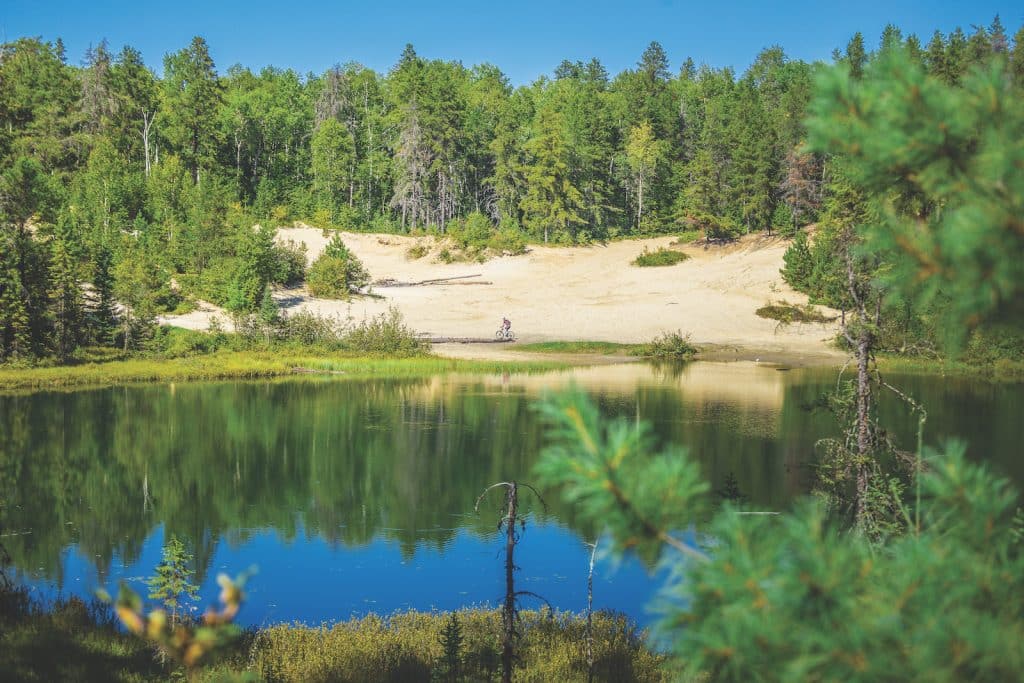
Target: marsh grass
(251, 365)
(72, 640)
(582, 347)
(407, 647)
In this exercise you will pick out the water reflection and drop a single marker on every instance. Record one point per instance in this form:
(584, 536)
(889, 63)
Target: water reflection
(370, 485)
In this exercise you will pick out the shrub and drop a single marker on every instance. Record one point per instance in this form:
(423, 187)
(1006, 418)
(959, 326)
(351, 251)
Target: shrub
(509, 240)
(336, 273)
(659, 257)
(687, 237)
(386, 333)
(714, 227)
(799, 263)
(787, 313)
(472, 232)
(289, 262)
(670, 345)
(417, 251)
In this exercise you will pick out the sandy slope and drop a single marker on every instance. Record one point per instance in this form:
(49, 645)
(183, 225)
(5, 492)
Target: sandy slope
(588, 293)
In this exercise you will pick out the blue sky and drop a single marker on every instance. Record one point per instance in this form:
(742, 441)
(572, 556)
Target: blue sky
(525, 38)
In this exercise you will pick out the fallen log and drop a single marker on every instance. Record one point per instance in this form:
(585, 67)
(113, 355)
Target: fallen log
(466, 340)
(389, 282)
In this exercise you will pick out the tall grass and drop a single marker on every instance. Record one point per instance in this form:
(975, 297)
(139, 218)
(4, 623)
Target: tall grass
(407, 647)
(252, 365)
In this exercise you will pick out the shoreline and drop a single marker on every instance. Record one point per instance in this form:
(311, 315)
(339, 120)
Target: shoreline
(443, 359)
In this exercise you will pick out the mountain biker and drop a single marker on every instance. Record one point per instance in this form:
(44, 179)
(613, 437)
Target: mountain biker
(506, 325)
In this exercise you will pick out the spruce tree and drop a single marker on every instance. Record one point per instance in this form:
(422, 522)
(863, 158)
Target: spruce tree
(172, 584)
(65, 300)
(14, 324)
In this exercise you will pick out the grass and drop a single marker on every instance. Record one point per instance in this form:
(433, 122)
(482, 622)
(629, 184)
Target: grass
(787, 313)
(582, 347)
(659, 257)
(249, 365)
(670, 345)
(72, 640)
(1002, 370)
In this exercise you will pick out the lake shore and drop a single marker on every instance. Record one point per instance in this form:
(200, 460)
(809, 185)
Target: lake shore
(571, 293)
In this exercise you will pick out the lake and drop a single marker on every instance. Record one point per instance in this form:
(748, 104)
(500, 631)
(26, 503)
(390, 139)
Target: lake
(357, 496)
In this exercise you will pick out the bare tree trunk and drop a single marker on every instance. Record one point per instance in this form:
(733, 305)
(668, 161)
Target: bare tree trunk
(147, 124)
(508, 615)
(590, 615)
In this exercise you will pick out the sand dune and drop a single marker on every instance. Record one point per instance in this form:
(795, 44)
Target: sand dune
(578, 293)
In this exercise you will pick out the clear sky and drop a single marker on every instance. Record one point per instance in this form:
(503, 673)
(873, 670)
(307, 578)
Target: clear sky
(525, 38)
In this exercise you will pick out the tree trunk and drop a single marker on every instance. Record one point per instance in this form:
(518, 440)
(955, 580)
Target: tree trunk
(508, 615)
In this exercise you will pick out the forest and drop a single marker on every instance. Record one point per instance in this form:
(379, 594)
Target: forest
(124, 193)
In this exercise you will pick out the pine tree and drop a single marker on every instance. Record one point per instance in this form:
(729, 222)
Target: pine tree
(101, 319)
(551, 200)
(193, 95)
(451, 639)
(172, 584)
(856, 56)
(65, 299)
(15, 341)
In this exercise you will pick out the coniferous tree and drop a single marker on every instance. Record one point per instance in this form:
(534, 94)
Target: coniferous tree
(65, 299)
(172, 584)
(551, 201)
(192, 95)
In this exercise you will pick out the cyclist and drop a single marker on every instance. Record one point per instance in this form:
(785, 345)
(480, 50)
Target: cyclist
(506, 325)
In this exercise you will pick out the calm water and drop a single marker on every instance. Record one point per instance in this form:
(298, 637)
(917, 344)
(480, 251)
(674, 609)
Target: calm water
(353, 497)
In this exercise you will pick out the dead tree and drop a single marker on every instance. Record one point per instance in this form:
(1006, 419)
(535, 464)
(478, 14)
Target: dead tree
(509, 611)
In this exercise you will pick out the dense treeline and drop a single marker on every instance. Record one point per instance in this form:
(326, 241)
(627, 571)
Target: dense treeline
(123, 193)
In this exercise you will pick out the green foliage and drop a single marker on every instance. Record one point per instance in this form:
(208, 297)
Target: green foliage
(386, 333)
(787, 313)
(472, 233)
(449, 669)
(670, 345)
(660, 257)
(334, 277)
(799, 264)
(613, 474)
(172, 583)
(191, 645)
(407, 647)
(289, 262)
(838, 609)
(942, 163)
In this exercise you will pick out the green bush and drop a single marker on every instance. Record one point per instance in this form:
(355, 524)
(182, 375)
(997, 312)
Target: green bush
(336, 273)
(799, 264)
(720, 228)
(687, 237)
(659, 257)
(386, 333)
(289, 262)
(472, 232)
(669, 345)
(787, 313)
(509, 240)
(417, 251)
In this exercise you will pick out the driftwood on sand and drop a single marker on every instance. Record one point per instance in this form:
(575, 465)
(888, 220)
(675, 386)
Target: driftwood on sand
(389, 282)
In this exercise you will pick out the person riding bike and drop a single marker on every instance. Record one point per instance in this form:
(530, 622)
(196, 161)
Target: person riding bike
(506, 324)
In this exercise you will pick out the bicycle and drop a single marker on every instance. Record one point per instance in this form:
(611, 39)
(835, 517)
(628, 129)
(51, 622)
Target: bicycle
(503, 334)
